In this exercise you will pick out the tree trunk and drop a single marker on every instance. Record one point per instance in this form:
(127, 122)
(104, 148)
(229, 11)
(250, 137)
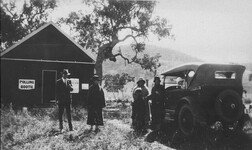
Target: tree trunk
(99, 62)
(104, 52)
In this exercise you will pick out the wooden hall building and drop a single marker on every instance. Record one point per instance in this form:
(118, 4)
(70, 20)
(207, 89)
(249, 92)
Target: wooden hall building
(31, 67)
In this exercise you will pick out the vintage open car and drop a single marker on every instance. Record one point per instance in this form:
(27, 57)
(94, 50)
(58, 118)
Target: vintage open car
(203, 94)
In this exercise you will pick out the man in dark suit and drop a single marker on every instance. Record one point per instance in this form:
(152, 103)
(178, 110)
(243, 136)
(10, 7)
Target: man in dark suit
(63, 98)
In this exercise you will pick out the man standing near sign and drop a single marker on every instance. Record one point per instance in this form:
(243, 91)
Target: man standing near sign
(63, 98)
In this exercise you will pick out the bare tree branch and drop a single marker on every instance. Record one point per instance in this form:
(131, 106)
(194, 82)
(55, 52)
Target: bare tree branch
(128, 27)
(8, 10)
(132, 36)
(125, 58)
(128, 36)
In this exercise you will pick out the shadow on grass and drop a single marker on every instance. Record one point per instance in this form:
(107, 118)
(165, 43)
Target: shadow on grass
(204, 139)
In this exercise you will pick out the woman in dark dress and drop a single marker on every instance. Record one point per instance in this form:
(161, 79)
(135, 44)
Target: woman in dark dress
(138, 106)
(96, 101)
(157, 104)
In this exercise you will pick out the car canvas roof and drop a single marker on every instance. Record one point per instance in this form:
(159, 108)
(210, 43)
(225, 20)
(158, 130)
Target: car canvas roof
(179, 70)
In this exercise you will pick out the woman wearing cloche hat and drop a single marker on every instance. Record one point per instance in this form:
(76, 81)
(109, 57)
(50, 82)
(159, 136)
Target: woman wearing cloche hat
(135, 110)
(96, 101)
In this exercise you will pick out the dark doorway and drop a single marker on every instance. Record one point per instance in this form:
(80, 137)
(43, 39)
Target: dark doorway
(49, 85)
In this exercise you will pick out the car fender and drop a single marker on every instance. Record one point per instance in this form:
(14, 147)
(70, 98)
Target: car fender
(200, 114)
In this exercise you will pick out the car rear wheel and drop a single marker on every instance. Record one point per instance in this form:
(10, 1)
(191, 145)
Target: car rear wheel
(187, 120)
(228, 106)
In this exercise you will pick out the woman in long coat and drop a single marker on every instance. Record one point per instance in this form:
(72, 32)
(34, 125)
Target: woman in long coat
(96, 101)
(157, 107)
(138, 107)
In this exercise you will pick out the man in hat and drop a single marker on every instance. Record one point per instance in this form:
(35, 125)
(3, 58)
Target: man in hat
(63, 97)
(144, 94)
(96, 101)
(157, 104)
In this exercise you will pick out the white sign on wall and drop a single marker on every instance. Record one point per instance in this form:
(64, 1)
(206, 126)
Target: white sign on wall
(84, 86)
(75, 85)
(26, 84)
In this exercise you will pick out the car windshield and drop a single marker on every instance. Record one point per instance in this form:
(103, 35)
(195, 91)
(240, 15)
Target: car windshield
(172, 81)
(179, 81)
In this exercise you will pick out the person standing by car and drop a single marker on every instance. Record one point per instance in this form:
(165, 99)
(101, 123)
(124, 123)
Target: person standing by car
(63, 98)
(96, 101)
(141, 84)
(144, 94)
(157, 104)
(140, 112)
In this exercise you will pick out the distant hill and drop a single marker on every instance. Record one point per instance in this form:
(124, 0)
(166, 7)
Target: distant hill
(169, 58)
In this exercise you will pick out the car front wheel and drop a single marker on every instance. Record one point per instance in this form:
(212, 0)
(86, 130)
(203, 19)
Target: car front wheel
(187, 120)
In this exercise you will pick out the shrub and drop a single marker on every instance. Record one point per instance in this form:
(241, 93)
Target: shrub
(79, 113)
(54, 114)
(40, 113)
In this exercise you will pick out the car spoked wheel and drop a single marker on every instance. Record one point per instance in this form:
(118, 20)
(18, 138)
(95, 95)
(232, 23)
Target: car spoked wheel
(228, 106)
(186, 120)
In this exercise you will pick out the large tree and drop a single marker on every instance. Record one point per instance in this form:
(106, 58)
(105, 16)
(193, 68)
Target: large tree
(18, 22)
(112, 22)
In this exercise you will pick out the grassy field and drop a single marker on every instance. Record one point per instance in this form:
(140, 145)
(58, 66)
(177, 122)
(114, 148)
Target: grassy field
(37, 128)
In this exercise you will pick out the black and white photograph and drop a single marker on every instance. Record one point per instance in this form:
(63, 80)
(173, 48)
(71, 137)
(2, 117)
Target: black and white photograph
(126, 74)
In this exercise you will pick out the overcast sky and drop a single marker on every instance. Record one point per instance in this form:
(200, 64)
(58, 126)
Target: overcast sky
(212, 30)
